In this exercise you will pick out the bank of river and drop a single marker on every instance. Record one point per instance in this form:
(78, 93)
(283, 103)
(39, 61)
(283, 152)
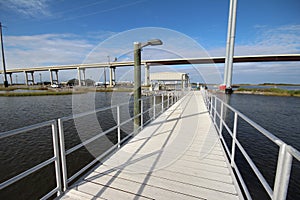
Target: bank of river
(268, 91)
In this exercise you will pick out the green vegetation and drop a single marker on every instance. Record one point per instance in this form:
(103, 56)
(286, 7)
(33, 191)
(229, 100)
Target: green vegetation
(269, 91)
(21, 94)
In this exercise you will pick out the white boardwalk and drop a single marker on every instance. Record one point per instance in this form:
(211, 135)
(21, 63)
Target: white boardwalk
(177, 156)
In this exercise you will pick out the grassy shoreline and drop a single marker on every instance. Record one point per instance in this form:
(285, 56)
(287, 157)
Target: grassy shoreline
(268, 91)
(9, 92)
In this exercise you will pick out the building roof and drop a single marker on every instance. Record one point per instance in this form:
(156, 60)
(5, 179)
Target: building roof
(168, 76)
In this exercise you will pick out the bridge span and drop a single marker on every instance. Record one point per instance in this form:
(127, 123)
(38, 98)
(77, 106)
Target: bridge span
(147, 63)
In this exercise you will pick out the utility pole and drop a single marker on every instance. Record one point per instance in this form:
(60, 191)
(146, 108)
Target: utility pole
(3, 59)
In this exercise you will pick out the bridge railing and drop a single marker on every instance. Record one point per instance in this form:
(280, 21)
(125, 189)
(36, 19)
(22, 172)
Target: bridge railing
(153, 111)
(60, 151)
(284, 156)
(55, 158)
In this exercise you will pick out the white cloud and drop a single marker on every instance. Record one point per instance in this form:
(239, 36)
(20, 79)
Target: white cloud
(45, 49)
(29, 8)
(278, 40)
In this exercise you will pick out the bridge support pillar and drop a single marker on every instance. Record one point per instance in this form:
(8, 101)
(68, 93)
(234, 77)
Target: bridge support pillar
(147, 75)
(83, 73)
(112, 74)
(81, 82)
(79, 76)
(52, 80)
(32, 78)
(10, 78)
(26, 78)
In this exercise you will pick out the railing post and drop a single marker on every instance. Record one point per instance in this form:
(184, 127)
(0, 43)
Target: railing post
(215, 110)
(210, 101)
(119, 126)
(57, 159)
(168, 104)
(162, 103)
(221, 119)
(283, 172)
(154, 106)
(142, 114)
(63, 154)
(234, 139)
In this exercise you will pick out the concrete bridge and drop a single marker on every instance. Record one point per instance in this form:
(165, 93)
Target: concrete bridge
(29, 72)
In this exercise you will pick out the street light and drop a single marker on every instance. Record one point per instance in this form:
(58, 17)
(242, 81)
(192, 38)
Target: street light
(137, 79)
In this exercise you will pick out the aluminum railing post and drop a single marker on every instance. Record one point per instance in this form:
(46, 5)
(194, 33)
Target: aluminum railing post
(162, 103)
(283, 172)
(168, 104)
(119, 126)
(154, 106)
(63, 154)
(57, 158)
(215, 110)
(210, 101)
(234, 139)
(142, 114)
(221, 119)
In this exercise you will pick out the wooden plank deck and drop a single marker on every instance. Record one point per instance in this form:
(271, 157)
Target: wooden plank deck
(177, 156)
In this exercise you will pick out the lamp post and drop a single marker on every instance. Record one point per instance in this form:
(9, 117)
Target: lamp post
(137, 79)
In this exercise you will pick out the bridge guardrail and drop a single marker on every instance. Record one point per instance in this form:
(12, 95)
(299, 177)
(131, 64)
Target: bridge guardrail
(169, 100)
(285, 155)
(58, 139)
(55, 158)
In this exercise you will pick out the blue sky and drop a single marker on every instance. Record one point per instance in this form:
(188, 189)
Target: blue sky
(60, 32)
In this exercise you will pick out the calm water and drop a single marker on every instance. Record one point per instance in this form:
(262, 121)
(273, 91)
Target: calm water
(267, 86)
(279, 115)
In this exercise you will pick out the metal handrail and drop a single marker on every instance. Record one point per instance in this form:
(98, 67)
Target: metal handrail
(60, 153)
(64, 152)
(285, 155)
(55, 158)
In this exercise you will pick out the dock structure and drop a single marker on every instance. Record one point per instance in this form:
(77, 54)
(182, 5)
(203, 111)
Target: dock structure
(177, 156)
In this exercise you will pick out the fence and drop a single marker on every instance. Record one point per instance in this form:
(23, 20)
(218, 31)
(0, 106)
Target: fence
(285, 155)
(58, 137)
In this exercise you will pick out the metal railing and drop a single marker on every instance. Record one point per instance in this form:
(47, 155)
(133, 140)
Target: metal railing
(55, 158)
(285, 155)
(58, 138)
(171, 98)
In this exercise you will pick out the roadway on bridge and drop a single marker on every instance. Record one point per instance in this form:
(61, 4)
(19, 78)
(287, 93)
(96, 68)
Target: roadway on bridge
(177, 156)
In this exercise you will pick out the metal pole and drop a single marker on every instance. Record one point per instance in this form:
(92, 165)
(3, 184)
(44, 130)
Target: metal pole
(142, 114)
(234, 139)
(228, 41)
(3, 58)
(229, 57)
(119, 126)
(221, 119)
(57, 158)
(63, 154)
(137, 85)
(154, 107)
(147, 77)
(283, 172)
(162, 103)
